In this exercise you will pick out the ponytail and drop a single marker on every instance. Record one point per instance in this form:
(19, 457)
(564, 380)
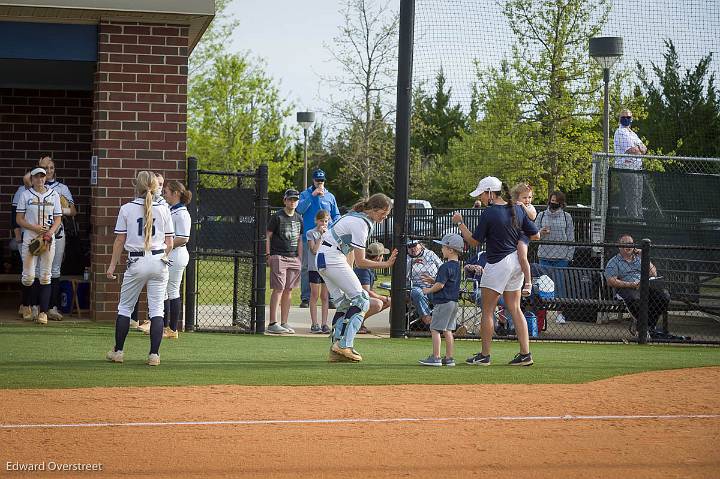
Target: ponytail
(146, 184)
(505, 195)
(378, 201)
(177, 187)
(147, 230)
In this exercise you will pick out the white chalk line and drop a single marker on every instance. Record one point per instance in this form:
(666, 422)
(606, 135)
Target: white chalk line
(265, 422)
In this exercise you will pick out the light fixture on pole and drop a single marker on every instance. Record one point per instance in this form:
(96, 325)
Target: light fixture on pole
(606, 51)
(305, 119)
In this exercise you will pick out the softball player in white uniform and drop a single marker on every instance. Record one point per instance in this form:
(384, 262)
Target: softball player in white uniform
(38, 212)
(177, 197)
(342, 245)
(144, 229)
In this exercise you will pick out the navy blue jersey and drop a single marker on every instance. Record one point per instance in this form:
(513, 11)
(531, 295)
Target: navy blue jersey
(366, 276)
(497, 231)
(449, 275)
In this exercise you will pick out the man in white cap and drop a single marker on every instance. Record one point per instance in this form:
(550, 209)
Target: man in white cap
(500, 227)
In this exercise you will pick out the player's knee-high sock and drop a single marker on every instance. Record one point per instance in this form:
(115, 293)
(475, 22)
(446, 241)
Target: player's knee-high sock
(134, 315)
(156, 334)
(45, 291)
(175, 312)
(26, 295)
(166, 313)
(55, 293)
(122, 326)
(35, 297)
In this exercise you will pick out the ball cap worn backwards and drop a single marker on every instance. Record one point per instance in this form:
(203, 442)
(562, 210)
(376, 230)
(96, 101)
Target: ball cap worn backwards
(452, 240)
(489, 183)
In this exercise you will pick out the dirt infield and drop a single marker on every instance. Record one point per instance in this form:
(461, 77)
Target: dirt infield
(498, 438)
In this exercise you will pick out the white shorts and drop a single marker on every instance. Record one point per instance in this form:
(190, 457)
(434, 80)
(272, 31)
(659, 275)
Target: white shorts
(505, 275)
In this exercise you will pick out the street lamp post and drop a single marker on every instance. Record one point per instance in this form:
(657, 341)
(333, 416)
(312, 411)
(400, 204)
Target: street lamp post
(305, 119)
(606, 51)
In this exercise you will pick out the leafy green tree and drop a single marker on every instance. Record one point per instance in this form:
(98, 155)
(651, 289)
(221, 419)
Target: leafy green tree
(560, 85)
(443, 121)
(235, 120)
(366, 51)
(683, 111)
(213, 41)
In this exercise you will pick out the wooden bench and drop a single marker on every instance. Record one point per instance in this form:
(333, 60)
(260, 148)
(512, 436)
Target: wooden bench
(75, 280)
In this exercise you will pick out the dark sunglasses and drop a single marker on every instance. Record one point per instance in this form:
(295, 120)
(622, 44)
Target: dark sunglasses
(319, 181)
(626, 117)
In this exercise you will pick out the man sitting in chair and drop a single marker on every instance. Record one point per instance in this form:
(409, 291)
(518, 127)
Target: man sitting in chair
(421, 264)
(623, 274)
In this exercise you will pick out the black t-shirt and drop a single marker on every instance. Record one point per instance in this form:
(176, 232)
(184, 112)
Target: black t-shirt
(449, 275)
(499, 234)
(286, 231)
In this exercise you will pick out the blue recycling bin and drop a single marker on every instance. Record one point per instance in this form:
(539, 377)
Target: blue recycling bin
(66, 296)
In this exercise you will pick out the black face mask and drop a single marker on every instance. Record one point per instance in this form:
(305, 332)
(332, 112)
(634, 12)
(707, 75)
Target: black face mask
(554, 206)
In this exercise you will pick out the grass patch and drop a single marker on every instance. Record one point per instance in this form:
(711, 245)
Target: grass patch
(65, 355)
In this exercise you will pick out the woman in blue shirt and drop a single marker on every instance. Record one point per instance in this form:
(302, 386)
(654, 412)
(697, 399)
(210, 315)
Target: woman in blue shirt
(500, 227)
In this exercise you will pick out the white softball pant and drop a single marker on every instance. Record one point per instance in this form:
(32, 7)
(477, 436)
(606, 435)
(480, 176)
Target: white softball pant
(57, 259)
(141, 270)
(339, 277)
(33, 266)
(179, 258)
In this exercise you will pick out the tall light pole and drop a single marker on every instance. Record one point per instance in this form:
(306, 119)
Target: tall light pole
(305, 119)
(606, 51)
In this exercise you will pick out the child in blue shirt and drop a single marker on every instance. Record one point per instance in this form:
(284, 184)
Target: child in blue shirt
(445, 294)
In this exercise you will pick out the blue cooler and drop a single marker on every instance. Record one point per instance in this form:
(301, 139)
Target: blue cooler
(532, 324)
(66, 297)
(83, 293)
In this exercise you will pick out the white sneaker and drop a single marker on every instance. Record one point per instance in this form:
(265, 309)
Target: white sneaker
(115, 356)
(145, 327)
(27, 313)
(54, 315)
(559, 319)
(153, 360)
(34, 311)
(288, 329)
(21, 310)
(134, 324)
(42, 318)
(276, 329)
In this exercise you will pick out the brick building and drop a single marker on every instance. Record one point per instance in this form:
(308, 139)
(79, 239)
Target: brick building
(94, 77)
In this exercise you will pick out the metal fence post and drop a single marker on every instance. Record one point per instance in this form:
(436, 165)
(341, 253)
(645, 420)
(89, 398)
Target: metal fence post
(261, 220)
(642, 328)
(191, 270)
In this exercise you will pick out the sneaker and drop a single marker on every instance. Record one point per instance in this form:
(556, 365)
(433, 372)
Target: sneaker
(134, 324)
(115, 356)
(449, 362)
(54, 315)
(325, 329)
(276, 329)
(479, 360)
(42, 318)
(522, 360)
(27, 313)
(334, 357)
(315, 329)
(304, 304)
(21, 311)
(559, 319)
(34, 313)
(364, 330)
(431, 361)
(153, 360)
(287, 328)
(349, 353)
(145, 327)
(169, 333)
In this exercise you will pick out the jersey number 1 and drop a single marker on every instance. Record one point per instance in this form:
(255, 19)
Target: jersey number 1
(140, 222)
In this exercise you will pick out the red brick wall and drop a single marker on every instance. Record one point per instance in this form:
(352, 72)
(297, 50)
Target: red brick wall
(139, 122)
(58, 122)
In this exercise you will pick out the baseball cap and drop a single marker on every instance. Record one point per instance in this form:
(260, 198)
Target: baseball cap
(318, 174)
(291, 193)
(412, 242)
(489, 183)
(38, 171)
(452, 240)
(376, 249)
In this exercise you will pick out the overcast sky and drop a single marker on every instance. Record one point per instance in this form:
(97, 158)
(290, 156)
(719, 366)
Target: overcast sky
(289, 35)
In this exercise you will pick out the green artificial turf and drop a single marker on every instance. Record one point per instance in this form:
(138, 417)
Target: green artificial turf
(64, 355)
